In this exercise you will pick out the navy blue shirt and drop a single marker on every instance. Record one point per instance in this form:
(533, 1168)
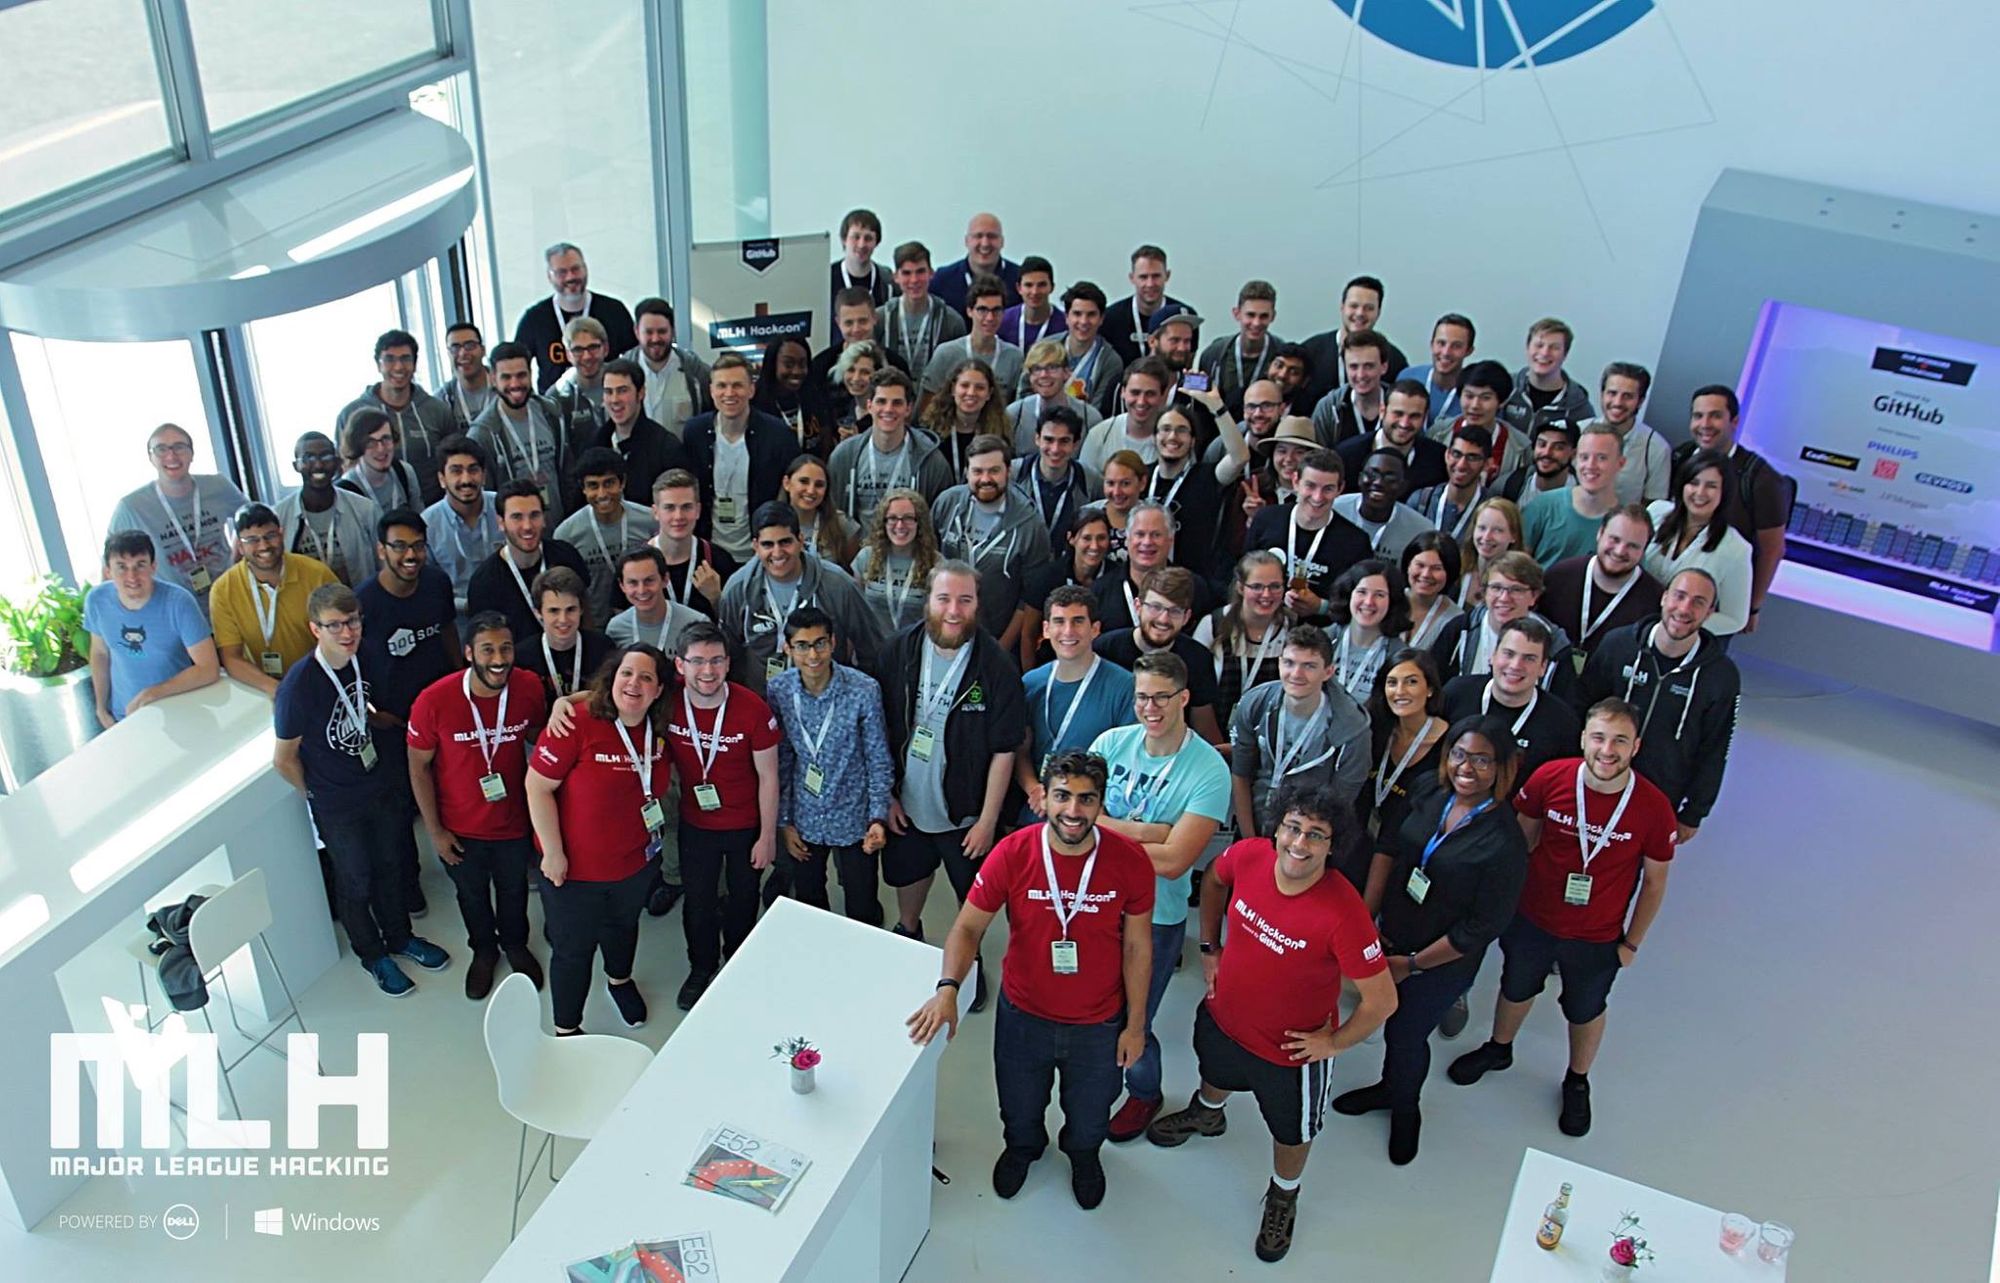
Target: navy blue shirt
(403, 644)
(307, 709)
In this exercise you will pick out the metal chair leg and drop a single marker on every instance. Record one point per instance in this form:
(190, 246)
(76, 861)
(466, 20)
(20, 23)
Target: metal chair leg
(520, 1160)
(222, 1064)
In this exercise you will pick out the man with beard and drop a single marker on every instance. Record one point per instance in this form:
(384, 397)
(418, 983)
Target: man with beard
(463, 527)
(1601, 842)
(258, 607)
(1405, 412)
(541, 328)
(470, 389)
(1564, 523)
(1547, 469)
(1095, 369)
(521, 432)
(1763, 495)
(1130, 321)
(333, 526)
(696, 568)
(422, 421)
(1315, 542)
(984, 239)
(1075, 964)
(1592, 596)
(1262, 408)
(469, 735)
(1451, 343)
(1375, 508)
(993, 528)
(186, 514)
(1165, 607)
(676, 380)
(984, 307)
(501, 581)
(1448, 505)
(578, 395)
(1291, 368)
(739, 453)
(760, 597)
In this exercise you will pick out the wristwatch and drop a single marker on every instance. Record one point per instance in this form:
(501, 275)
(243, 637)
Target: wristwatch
(1411, 958)
(949, 981)
(1208, 948)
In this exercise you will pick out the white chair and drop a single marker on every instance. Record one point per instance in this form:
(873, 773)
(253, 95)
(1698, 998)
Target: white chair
(557, 1086)
(230, 919)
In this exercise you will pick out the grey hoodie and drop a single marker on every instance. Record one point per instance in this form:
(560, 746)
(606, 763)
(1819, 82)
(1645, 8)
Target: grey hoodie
(1335, 752)
(1003, 557)
(1519, 413)
(856, 488)
(423, 423)
(756, 634)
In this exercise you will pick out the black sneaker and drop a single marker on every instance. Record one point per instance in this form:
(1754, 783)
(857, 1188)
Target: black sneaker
(1404, 1125)
(1575, 1117)
(1010, 1172)
(906, 933)
(570, 1033)
(630, 1002)
(1086, 1178)
(1362, 1100)
(691, 992)
(1455, 1018)
(525, 963)
(978, 993)
(663, 899)
(1477, 1063)
(1274, 1232)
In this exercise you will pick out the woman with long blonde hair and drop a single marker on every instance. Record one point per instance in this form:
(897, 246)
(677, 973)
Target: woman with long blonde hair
(1495, 528)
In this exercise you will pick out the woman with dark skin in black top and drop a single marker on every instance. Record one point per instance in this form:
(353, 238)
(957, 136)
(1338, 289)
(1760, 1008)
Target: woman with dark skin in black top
(1442, 887)
(784, 391)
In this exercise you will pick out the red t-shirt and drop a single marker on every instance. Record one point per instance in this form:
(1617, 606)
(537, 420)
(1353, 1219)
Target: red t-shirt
(748, 727)
(1646, 831)
(603, 832)
(1283, 955)
(441, 723)
(1121, 885)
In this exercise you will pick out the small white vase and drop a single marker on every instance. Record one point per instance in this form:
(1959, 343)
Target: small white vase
(802, 1079)
(1616, 1273)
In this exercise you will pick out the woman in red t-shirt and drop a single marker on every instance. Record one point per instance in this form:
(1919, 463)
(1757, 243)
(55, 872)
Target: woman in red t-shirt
(594, 798)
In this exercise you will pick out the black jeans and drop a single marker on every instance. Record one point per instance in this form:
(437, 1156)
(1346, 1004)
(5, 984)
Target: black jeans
(583, 920)
(717, 925)
(1421, 1002)
(394, 766)
(805, 880)
(492, 884)
(369, 845)
(1027, 1052)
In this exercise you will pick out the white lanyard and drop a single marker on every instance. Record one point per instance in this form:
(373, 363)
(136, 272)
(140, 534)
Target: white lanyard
(1591, 625)
(794, 420)
(1021, 328)
(1131, 605)
(1139, 322)
(694, 559)
(896, 477)
(1081, 368)
(489, 741)
(1604, 834)
(266, 620)
(456, 524)
(706, 760)
(355, 704)
(1256, 368)
(1076, 702)
(1385, 779)
(1245, 666)
(1360, 666)
(327, 551)
(1420, 632)
(175, 522)
(1632, 675)
(898, 594)
(597, 533)
(1049, 518)
(814, 742)
(643, 769)
(800, 597)
(520, 580)
(848, 281)
(1291, 558)
(929, 702)
(974, 550)
(1534, 698)
(1285, 756)
(1078, 900)
(1135, 804)
(531, 456)
(1152, 485)
(924, 328)
(575, 665)
(1437, 514)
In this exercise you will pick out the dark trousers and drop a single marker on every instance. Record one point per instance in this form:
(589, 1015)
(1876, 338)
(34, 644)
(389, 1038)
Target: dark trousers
(1027, 1052)
(394, 767)
(369, 845)
(1421, 1002)
(805, 881)
(585, 919)
(492, 884)
(717, 924)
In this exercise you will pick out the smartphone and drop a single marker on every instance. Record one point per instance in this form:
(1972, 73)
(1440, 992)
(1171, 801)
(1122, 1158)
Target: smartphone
(1194, 381)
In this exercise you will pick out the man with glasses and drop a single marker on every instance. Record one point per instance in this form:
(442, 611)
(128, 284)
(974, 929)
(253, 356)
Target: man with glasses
(1047, 376)
(757, 601)
(1149, 546)
(986, 306)
(259, 604)
(370, 439)
(1165, 608)
(1481, 390)
(1448, 505)
(578, 395)
(1168, 790)
(186, 514)
(1513, 587)
(148, 640)
(1315, 542)
(990, 525)
(470, 389)
(1299, 731)
(463, 527)
(542, 326)
(336, 527)
(1187, 488)
(1049, 476)
(1263, 406)
(422, 421)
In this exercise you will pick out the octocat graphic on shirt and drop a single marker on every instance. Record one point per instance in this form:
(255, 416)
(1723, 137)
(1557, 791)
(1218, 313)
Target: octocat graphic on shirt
(343, 733)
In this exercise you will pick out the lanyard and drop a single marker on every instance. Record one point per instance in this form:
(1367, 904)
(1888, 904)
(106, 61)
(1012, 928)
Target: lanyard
(1368, 657)
(531, 455)
(1153, 484)
(1437, 515)
(1077, 901)
(1285, 756)
(355, 704)
(924, 328)
(848, 281)
(930, 703)
(1420, 631)
(1081, 368)
(520, 580)
(575, 666)
(267, 620)
(694, 559)
(896, 477)
(800, 597)
(1385, 779)
(456, 524)
(1135, 802)
(1632, 677)
(795, 421)
(1292, 558)
(1034, 477)
(1534, 698)
(1076, 701)
(814, 742)
(489, 741)
(1247, 667)
(964, 537)
(707, 760)
(327, 551)
(1256, 367)
(174, 521)
(1021, 328)
(1437, 838)
(642, 769)
(597, 533)
(1604, 834)
(898, 594)
(1591, 625)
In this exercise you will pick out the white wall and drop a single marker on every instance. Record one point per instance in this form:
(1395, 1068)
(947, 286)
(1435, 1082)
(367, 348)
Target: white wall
(1293, 145)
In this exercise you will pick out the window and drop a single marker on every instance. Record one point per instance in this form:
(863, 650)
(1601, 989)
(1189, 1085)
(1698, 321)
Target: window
(80, 95)
(257, 56)
(310, 364)
(19, 545)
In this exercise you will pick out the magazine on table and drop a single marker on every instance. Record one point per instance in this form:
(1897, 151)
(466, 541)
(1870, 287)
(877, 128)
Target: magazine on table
(746, 1166)
(681, 1259)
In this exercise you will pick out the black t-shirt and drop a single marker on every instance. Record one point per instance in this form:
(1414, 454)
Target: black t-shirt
(1114, 613)
(403, 644)
(1122, 648)
(1550, 731)
(1196, 505)
(677, 576)
(1562, 601)
(1345, 543)
(528, 655)
(492, 587)
(307, 709)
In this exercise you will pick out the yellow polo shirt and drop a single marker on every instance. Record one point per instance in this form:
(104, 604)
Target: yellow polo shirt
(233, 611)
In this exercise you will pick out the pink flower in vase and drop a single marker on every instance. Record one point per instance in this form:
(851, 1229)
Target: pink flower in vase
(1624, 1252)
(806, 1059)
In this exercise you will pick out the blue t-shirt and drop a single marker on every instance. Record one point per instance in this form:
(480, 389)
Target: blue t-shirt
(1197, 781)
(307, 709)
(403, 645)
(1107, 703)
(147, 645)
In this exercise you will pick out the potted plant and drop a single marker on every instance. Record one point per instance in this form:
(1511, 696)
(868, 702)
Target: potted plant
(803, 1058)
(47, 708)
(1629, 1249)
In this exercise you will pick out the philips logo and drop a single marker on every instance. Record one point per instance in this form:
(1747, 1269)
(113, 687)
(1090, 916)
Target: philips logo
(1893, 451)
(1952, 484)
(1909, 408)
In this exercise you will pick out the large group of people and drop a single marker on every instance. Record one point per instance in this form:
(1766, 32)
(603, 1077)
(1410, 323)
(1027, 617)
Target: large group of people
(1348, 668)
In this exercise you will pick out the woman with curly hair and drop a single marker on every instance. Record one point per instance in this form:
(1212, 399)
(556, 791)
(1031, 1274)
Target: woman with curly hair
(969, 406)
(896, 558)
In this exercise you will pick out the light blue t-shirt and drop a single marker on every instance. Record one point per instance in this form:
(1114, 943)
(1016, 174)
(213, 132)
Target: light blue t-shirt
(1197, 781)
(147, 645)
(1106, 703)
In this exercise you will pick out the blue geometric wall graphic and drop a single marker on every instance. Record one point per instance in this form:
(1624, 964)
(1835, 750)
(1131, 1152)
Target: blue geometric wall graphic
(1493, 34)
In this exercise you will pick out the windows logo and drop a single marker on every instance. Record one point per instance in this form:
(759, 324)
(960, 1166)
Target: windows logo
(269, 1220)
(1495, 34)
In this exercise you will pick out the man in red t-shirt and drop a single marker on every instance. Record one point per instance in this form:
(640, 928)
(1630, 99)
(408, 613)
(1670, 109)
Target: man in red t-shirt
(469, 734)
(1574, 906)
(1270, 1024)
(1079, 902)
(724, 743)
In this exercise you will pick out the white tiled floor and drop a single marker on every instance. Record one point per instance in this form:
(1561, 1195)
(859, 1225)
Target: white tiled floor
(1809, 1037)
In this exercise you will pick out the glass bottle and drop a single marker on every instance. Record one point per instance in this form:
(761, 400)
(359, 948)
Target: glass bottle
(1554, 1217)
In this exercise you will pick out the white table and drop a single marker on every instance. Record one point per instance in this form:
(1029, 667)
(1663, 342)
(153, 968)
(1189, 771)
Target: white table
(1685, 1235)
(861, 1211)
(87, 846)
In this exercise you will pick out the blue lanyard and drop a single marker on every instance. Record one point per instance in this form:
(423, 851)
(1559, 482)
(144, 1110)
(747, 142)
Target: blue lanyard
(1437, 839)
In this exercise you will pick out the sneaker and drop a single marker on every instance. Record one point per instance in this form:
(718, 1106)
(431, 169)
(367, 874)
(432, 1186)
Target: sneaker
(419, 907)
(1575, 1117)
(570, 1033)
(630, 1002)
(1086, 1178)
(1404, 1125)
(424, 954)
(1362, 1100)
(389, 978)
(906, 933)
(978, 993)
(479, 976)
(1010, 1172)
(691, 992)
(1132, 1119)
(663, 899)
(1475, 1064)
(1169, 1130)
(1455, 1016)
(526, 964)
(1274, 1232)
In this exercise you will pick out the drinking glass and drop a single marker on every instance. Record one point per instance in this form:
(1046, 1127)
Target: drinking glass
(1773, 1241)
(1737, 1231)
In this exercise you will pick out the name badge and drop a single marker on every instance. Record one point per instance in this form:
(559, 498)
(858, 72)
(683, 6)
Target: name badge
(1419, 885)
(272, 663)
(200, 578)
(815, 780)
(492, 787)
(367, 755)
(772, 667)
(652, 850)
(708, 797)
(1576, 889)
(653, 814)
(1062, 956)
(922, 743)
(725, 508)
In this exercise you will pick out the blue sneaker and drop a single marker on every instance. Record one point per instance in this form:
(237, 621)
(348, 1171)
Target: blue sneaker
(424, 954)
(389, 978)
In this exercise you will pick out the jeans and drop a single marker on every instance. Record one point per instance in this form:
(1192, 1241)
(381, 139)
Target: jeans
(805, 881)
(369, 846)
(584, 919)
(1143, 1078)
(1421, 1002)
(492, 884)
(717, 924)
(1027, 1051)
(395, 767)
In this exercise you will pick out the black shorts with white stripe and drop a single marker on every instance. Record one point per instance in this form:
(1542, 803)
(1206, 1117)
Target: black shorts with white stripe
(1292, 1098)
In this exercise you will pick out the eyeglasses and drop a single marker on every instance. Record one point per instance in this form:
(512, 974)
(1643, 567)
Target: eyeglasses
(259, 541)
(1163, 609)
(1047, 369)
(1477, 761)
(987, 311)
(717, 661)
(1307, 837)
(899, 521)
(820, 647)
(1254, 406)
(1497, 589)
(388, 358)
(319, 456)
(162, 449)
(343, 624)
(1161, 700)
(407, 545)
(387, 438)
